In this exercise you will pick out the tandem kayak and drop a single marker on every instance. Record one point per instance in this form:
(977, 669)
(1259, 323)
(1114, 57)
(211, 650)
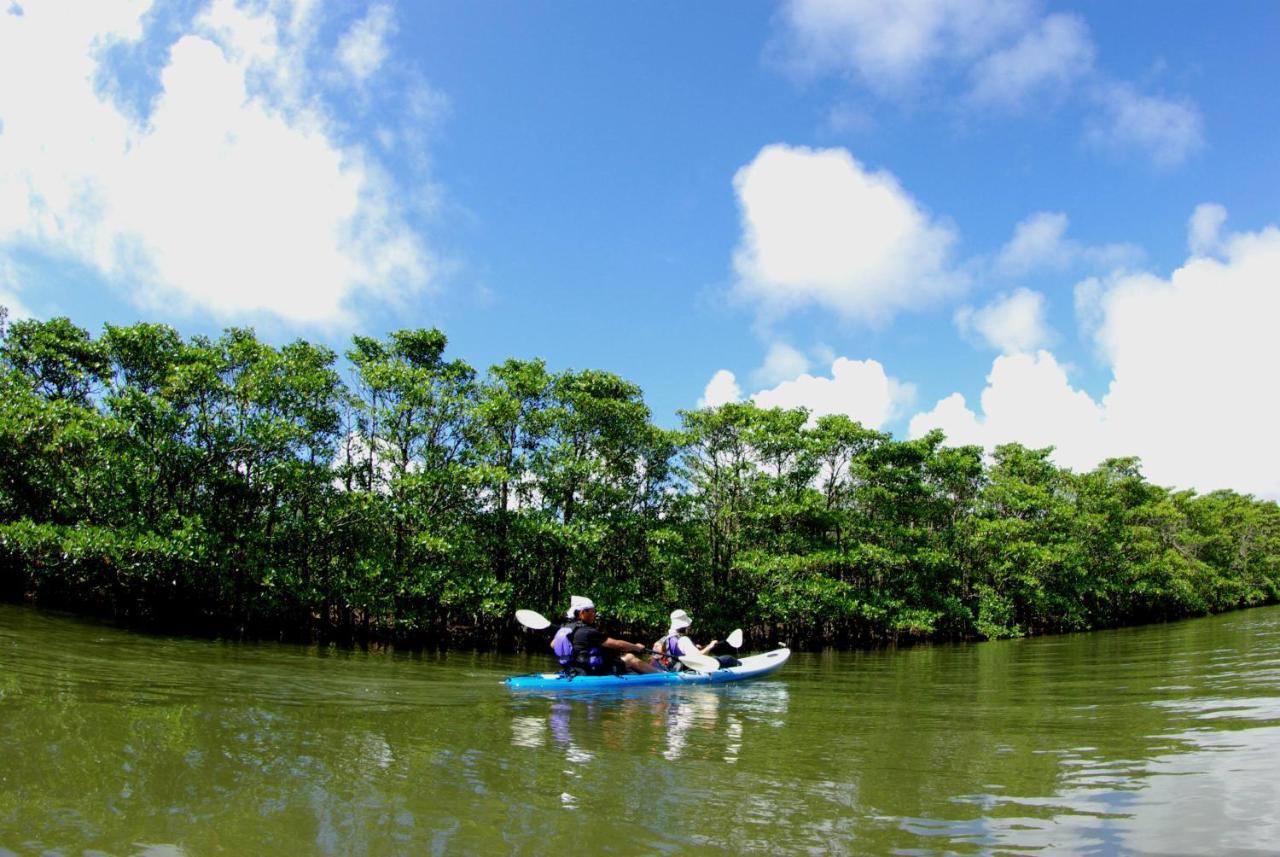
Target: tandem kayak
(752, 666)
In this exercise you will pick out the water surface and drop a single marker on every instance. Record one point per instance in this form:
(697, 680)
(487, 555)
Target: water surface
(1162, 739)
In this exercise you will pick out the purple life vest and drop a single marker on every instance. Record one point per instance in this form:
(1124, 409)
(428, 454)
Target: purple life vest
(671, 660)
(562, 643)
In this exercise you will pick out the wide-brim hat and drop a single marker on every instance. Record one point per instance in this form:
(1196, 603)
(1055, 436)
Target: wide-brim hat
(680, 620)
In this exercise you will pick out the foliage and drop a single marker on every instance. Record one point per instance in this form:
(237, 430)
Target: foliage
(230, 486)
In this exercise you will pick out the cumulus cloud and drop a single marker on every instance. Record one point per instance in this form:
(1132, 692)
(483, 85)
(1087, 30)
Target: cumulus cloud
(782, 362)
(232, 195)
(1053, 55)
(1191, 358)
(859, 388)
(1040, 242)
(819, 228)
(1168, 130)
(721, 390)
(1029, 400)
(1011, 323)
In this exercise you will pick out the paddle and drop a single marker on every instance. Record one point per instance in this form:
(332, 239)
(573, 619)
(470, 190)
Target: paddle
(531, 620)
(535, 621)
(735, 638)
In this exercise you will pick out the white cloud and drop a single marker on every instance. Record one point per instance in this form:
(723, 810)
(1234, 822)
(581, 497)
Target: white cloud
(1194, 360)
(818, 228)
(1168, 131)
(1028, 400)
(982, 54)
(1204, 229)
(1087, 295)
(1011, 323)
(721, 389)
(9, 291)
(1052, 56)
(889, 46)
(13, 305)
(782, 362)
(363, 49)
(1037, 242)
(859, 388)
(1040, 243)
(1191, 359)
(233, 196)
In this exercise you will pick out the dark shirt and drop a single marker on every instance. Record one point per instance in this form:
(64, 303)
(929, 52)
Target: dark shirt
(586, 638)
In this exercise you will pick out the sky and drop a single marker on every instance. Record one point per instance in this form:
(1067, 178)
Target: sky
(1050, 223)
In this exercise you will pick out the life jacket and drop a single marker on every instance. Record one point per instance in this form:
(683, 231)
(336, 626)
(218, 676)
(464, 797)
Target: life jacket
(671, 652)
(587, 658)
(562, 643)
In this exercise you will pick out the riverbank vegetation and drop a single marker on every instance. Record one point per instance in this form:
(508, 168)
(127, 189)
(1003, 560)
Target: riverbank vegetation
(227, 486)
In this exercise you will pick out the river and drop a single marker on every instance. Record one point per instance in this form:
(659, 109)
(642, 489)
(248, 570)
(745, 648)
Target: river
(1161, 739)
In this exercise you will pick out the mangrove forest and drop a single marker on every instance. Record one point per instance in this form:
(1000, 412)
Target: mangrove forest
(231, 487)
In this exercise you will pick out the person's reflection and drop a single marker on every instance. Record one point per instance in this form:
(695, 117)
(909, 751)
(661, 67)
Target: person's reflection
(733, 732)
(531, 731)
(685, 712)
(559, 721)
(672, 719)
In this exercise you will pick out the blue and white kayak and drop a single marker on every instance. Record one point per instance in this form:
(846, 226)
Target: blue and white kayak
(752, 666)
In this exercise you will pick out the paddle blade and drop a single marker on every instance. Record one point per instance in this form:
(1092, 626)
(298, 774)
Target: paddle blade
(531, 620)
(700, 663)
(735, 638)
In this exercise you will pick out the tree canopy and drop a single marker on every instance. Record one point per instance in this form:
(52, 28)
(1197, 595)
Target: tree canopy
(229, 486)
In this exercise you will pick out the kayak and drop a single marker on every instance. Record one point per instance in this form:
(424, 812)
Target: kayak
(752, 666)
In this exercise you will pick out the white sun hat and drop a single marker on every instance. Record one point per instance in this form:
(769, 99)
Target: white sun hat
(680, 620)
(578, 603)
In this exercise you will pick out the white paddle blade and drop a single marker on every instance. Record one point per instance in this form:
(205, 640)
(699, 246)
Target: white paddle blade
(531, 620)
(695, 660)
(700, 663)
(735, 638)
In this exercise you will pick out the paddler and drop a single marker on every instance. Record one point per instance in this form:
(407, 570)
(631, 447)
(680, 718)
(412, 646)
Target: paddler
(676, 644)
(596, 653)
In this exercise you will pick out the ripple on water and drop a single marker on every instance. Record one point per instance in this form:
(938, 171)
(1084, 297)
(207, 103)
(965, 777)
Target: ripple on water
(1150, 739)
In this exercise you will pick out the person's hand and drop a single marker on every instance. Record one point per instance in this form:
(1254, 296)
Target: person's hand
(640, 650)
(713, 644)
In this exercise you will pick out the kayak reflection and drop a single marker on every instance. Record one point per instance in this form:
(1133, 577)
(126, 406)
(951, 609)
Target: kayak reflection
(704, 722)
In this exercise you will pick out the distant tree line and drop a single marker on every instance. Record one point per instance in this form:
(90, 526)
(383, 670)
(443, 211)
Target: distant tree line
(227, 486)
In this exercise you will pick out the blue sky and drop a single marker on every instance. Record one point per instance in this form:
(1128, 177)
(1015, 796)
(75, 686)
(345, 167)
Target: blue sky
(1045, 222)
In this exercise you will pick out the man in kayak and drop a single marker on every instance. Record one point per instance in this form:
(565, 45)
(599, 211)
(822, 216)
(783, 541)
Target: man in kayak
(676, 644)
(596, 653)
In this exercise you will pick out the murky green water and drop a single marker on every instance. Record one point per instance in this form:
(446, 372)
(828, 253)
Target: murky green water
(1160, 739)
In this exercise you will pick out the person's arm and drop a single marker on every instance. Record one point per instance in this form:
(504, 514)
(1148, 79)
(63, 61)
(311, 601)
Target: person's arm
(623, 646)
(704, 650)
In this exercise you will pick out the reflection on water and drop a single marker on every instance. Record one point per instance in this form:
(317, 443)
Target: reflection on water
(1156, 740)
(670, 715)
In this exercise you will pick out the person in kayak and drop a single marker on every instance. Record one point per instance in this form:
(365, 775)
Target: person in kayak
(562, 642)
(596, 653)
(677, 644)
